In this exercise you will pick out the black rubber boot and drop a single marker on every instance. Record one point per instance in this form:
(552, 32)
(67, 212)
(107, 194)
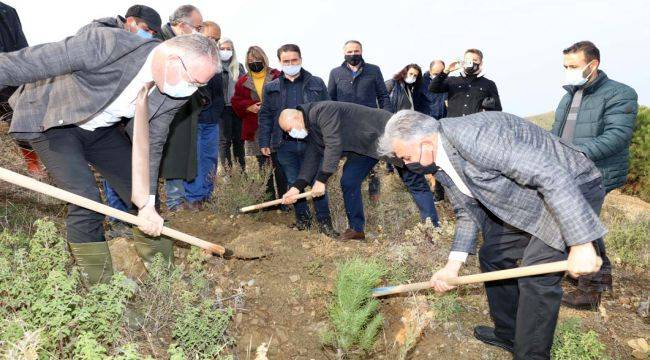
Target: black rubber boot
(94, 260)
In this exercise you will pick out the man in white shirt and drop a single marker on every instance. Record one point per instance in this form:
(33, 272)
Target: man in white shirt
(103, 74)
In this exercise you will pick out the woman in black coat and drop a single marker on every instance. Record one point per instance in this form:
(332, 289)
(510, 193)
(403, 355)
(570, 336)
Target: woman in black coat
(403, 89)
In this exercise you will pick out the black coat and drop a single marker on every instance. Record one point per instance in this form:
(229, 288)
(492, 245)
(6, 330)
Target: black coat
(335, 128)
(11, 39)
(180, 158)
(367, 88)
(467, 94)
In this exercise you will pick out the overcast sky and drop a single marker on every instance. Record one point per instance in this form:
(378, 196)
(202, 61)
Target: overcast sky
(522, 40)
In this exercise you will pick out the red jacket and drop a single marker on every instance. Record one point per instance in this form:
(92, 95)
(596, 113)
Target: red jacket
(245, 95)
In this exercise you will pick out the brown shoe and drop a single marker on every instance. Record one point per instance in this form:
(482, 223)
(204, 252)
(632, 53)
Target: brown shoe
(195, 206)
(578, 299)
(351, 234)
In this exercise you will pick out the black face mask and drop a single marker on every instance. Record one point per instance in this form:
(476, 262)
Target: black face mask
(256, 66)
(416, 167)
(473, 70)
(353, 60)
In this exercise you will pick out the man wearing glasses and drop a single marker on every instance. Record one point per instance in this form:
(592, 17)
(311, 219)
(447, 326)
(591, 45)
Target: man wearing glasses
(102, 75)
(179, 163)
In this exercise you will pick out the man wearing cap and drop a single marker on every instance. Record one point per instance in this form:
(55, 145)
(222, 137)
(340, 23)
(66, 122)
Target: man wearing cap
(139, 19)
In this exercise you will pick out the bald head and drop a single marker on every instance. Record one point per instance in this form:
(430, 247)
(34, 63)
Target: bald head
(211, 30)
(291, 119)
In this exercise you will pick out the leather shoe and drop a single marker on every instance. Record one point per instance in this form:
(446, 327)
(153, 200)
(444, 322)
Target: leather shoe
(486, 335)
(579, 299)
(351, 234)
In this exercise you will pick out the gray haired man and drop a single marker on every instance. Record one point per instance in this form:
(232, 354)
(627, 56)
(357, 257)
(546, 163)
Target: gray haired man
(72, 95)
(185, 20)
(530, 194)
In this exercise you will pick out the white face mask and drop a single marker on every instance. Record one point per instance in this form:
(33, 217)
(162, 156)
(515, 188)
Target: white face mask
(291, 70)
(180, 90)
(225, 55)
(298, 133)
(573, 77)
(410, 79)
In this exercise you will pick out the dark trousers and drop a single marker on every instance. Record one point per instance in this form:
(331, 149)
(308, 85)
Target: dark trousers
(356, 169)
(277, 180)
(525, 310)
(594, 282)
(230, 137)
(290, 156)
(67, 153)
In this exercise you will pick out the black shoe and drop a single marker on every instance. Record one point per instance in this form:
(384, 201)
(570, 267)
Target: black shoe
(326, 227)
(486, 335)
(302, 224)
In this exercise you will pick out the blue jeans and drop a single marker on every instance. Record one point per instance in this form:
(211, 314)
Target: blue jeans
(113, 199)
(356, 169)
(290, 156)
(207, 140)
(175, 192)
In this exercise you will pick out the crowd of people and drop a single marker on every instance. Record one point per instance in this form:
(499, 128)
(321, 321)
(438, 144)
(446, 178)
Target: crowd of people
(142, 101)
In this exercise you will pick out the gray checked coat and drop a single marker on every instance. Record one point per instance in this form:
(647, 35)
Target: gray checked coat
(71, 81)
(522, 174)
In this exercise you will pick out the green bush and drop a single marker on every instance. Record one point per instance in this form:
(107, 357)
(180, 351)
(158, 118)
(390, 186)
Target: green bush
(47, 313)
(572, 343)
(353, 312)
(446, 306)
(638, 180)
(628, 240)
(41, 292)
(236, 188)
(200, 330)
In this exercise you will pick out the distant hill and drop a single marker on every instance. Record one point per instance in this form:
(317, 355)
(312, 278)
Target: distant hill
(544, 120)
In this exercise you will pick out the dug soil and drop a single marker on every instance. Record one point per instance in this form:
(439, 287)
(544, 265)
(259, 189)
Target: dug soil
(287, 293)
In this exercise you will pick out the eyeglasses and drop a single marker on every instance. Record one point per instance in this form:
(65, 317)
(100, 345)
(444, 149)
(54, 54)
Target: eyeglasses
(198, 28)
(193, 82)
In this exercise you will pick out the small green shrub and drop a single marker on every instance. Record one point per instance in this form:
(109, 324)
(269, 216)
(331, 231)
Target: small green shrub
(201, 330)
(628, 239)
(638, 179)
(572, 343)
(236, 188)
(171, 302)
(41, 291)
(46, 312)
(445, 306)
(353, 312)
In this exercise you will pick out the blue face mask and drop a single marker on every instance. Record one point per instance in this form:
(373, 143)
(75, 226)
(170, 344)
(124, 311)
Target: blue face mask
(143, 34)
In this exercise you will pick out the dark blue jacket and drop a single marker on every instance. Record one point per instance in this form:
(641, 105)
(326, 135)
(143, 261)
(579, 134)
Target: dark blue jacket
(433, 102)
(367, 88)
(269, 132)
(11, 39)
